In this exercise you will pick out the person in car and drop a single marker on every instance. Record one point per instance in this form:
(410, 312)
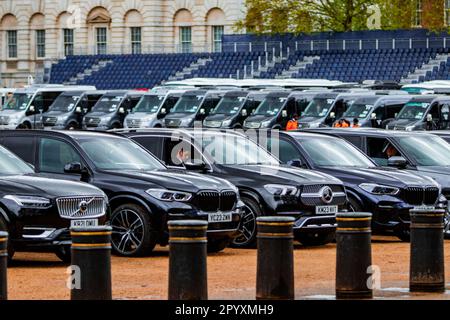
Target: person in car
(293, 123)
(356, 123)
(390, 151)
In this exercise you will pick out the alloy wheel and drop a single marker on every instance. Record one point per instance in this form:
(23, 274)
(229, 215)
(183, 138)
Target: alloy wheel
(247, 228)
(127, 231)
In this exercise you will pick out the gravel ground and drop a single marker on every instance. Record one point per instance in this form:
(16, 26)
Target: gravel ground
(231, 274)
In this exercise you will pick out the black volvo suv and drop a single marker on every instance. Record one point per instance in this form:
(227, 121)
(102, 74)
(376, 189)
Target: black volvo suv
(143, 193)
(37, 212)
(265, 186)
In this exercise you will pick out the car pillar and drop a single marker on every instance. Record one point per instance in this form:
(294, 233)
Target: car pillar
(3, 265)
(353, 255)
(187, 260)
(426, 272)
(275, 261)
(91, 263)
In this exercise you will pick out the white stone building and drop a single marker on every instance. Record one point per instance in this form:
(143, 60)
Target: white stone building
(38, 31)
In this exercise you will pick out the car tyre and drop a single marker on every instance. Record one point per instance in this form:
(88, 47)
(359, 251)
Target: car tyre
(315, 239)
(64, 254)
(247, 228)
(217, 245)
(4, 227)
(133, 233)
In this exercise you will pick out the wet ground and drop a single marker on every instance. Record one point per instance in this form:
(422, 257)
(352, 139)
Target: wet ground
(231, 274)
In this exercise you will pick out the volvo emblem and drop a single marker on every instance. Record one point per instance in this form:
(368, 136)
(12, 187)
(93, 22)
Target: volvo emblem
(326, 194)
(83, 206)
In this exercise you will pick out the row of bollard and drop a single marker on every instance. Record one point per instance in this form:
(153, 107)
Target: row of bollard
(91, 255)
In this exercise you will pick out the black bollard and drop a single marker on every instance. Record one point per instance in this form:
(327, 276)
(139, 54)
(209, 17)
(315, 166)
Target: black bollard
(426, 272)
(3, 265)
(353, 255)
(275, 262)
(91, 256)
(187, 260)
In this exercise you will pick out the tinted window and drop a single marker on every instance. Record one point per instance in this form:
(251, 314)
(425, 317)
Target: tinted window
(177, 151)
(55, 154)
(380, 150)
(393, 110)
(152, 144)
(10, 164)
(283, 150)
(24, 147)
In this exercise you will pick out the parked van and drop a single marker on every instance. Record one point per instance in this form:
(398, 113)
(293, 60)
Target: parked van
(110, 111)
(68, 110)
(152, 109)
(427, 112)
(24, 109)
(193, 107)
(233, 109)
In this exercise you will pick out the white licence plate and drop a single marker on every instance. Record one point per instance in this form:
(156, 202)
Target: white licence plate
(84, 223)
(220, 217)
(326, 209)
(424, 208)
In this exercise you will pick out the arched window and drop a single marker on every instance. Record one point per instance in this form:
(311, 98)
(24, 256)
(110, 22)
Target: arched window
(37, 35)
(215, 20)
(99, 21)
(133, 23)
(183, 30)
(9, 24)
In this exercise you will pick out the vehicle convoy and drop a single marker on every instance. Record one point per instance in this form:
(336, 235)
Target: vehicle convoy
(274, 111)
(37, 212)
(192, 108)
(152, 109)
(233, 109)
(265, 186)
(110, 111)
(427, 112)
(387, 193)
(376, 111)
(24, 109)
(68, 110)
(143, 194)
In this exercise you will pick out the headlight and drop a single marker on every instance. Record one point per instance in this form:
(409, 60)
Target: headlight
(379, 189)
(265, 124)
(168, 195)
(226, 123)
(442, 198)
(410, 128)
(280, 190)
(29, 201)
(314, 124)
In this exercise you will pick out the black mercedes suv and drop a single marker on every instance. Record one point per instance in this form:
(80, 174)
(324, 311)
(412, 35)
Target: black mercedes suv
(38, 212)
(143, 193)
(265, 186)
(388, 193)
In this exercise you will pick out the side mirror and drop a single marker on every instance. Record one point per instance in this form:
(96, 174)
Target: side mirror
(397, 162)
(78, 110)
(332, 115)
(244, 113)
(195, 165)
(202, 111)
(32, 109)
(253, 111)
(429, 118)
(284, 114)
(122, 110)
(296, 163)
(163, 111)
(74, 168)
(373, 116)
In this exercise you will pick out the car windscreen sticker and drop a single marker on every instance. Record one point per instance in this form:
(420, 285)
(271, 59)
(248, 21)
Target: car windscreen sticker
(323, 112)
(282, 100)
(330, 101)
(419, 115)
(240, 99)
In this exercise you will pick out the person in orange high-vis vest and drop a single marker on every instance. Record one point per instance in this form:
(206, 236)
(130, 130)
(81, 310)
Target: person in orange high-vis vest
(293, 123)
(342, 123)
(356, 123)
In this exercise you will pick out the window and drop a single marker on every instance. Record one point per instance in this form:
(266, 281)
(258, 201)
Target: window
(152, 144)
(217, 33)
(380, 150)
(418, 13)
(186, 39)
(55, 154)
(284, 150)
(393, 110)
(102, 41)
(40, 43)
(136, 40)
(12, 43)
(23, 147)
(447, 12)
(68, 42)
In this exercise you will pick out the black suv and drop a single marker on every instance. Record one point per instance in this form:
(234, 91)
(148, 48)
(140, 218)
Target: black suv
(38, 212)
(265, 186)
(386, 192)
(143, 193)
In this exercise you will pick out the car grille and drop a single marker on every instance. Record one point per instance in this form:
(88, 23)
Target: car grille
(4, 120)
(252, 125)
(173, 123)
(91, 122)
(311, 195)
(420, 195)
(134, 123)
(49, 121)
(212, 201)
(81, 207)
(213, 124)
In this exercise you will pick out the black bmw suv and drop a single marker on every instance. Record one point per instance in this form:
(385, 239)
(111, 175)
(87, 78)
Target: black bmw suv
(143, 193)
(265, 186)
(388, 193)
(38, 212)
